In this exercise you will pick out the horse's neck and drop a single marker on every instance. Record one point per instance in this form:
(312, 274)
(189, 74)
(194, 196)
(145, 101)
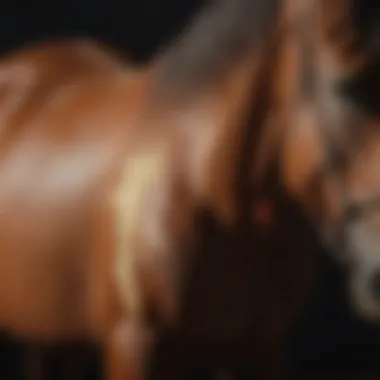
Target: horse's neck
(240, 119)
(213, 124)
(213, 128)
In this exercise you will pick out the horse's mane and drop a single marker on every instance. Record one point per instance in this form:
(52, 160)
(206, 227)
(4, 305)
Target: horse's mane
(215, 40)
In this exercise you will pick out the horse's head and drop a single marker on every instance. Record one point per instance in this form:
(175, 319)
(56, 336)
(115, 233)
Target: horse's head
(333, 152)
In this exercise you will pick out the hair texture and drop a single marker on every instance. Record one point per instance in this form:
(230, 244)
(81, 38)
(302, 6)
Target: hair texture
(222, 32)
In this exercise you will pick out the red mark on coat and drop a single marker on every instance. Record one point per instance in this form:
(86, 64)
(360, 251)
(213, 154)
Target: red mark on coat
(263, 212)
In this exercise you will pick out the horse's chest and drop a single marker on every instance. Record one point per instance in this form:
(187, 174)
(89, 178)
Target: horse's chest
(247, 286)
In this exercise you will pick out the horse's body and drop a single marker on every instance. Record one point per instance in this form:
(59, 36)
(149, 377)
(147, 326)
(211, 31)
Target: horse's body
(129, 198)
(69, 114)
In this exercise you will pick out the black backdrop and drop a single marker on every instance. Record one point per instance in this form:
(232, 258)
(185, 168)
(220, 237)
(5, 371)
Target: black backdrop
(329, 338)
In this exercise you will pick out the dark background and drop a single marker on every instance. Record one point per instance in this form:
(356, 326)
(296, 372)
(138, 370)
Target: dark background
(329, 339)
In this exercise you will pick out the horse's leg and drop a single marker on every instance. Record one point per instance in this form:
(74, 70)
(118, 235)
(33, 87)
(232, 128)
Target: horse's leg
(34, 363)
(127, 351)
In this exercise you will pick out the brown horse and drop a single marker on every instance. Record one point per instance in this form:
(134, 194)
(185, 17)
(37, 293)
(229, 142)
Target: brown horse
(135, 203)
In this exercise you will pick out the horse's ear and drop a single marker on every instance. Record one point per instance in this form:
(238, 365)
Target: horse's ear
(302, 154)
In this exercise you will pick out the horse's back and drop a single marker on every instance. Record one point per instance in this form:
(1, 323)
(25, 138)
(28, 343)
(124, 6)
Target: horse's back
(63, 119)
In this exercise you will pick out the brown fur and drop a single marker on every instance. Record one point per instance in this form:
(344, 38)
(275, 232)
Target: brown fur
(185, 259)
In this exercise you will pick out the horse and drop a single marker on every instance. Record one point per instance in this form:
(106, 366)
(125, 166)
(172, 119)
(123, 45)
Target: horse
(118, 185)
